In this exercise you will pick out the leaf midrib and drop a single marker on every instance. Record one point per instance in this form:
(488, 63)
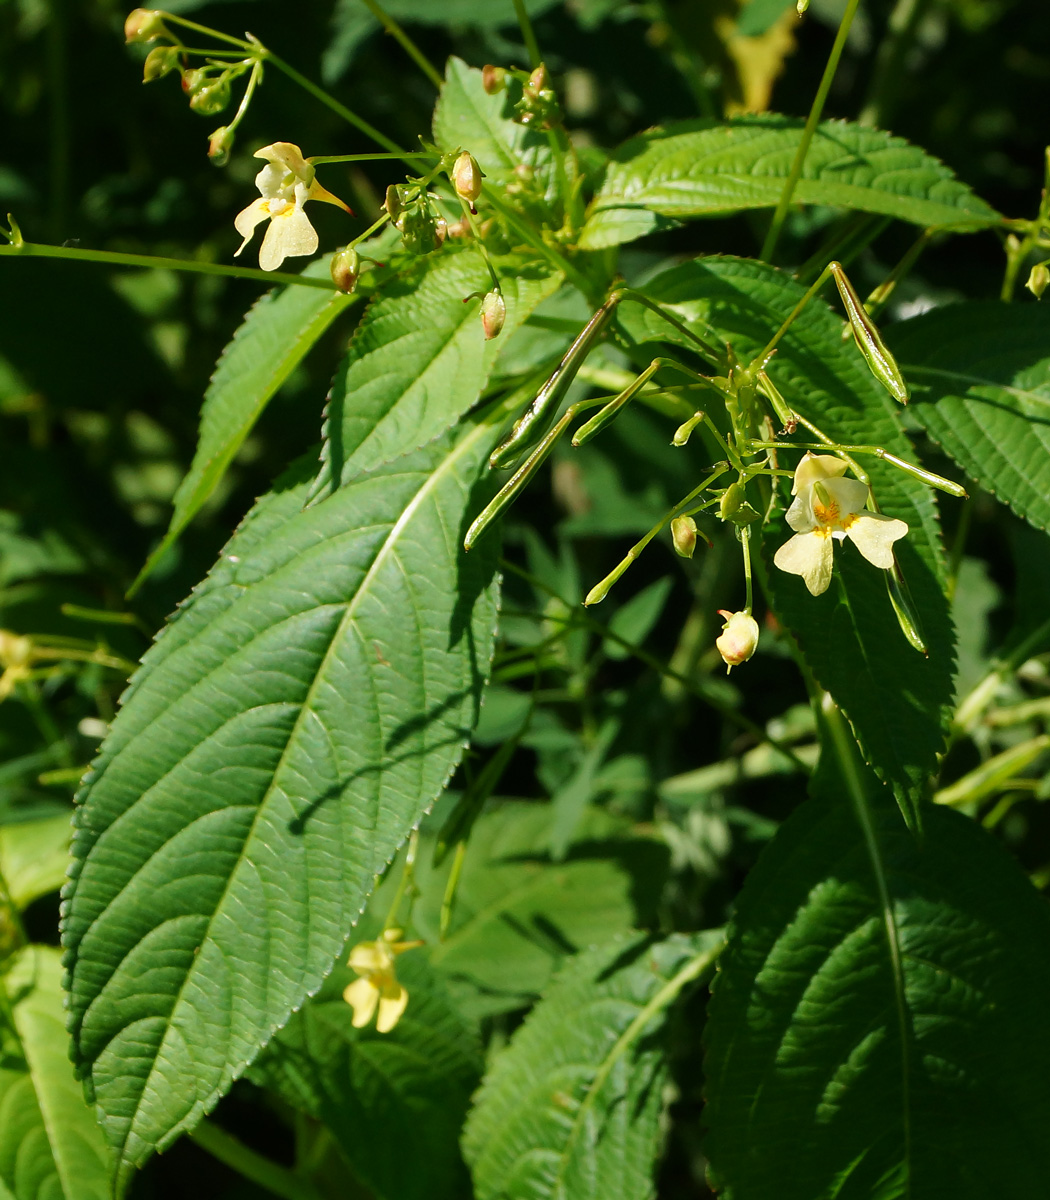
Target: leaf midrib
(383, 553)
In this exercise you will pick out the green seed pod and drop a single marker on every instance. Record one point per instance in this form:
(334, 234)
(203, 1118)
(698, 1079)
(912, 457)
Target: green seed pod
(210, 98)
(159, 62)
(346, 267)
(882, 363)
(683, 536)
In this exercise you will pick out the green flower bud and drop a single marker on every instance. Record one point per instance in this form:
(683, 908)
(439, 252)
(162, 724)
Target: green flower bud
(1038, 278)
(493, 314)
(346, 266)
(419, 232)
(144, 25)
(467, 177)
(734, 506)
(493, 79)
(159, 62)
(219, 146)
(393, 202)
(683, 536)
(209, 98)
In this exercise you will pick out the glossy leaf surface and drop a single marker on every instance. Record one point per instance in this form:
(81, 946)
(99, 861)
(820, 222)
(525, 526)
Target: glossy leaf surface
(704, 168)
(296, 719)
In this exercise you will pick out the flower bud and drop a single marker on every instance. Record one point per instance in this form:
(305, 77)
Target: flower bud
(493, 79)
(210, 97)
(539, 81)
(219, 146)
(144, 25)
(467, 177)
(419, 231)
(159, 62)
(1038, 278)
(493, 314)
(734, 506)
(801, 6)
(346, 266)
(393, 202)
(739, 638)
(683, 535)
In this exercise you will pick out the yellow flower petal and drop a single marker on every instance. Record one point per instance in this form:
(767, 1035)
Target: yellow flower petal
(247, 219)
(392, 1003)
(813, 467)
(874, 534)
(362, 996)
(808, 555)
(289, 234)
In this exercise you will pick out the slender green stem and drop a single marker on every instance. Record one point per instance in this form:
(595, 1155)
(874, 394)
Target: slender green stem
(222, 37)
(527, 32)
(691, 682)
(318, 160)
(49, 731)
(815, 112)
(405, 882)
(405, 42)
(815, 287)
(341, 110)
(450, 890)
(745, 545)
(264, 1172)
(531, 236)
(36, 250)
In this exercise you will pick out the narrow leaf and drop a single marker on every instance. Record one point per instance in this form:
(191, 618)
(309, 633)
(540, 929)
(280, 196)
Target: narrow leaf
(276, 335)
(707, 168)
(50, 1143)
(299, 715)
(571, 1109)
(378, 1092)
(981, 377)
(377, 410)
(897, 701)
(879, 1019)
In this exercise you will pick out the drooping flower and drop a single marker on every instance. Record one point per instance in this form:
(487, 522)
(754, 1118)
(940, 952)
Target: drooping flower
(286, 183)
(826, 508)
(739, 638)
(378, 986)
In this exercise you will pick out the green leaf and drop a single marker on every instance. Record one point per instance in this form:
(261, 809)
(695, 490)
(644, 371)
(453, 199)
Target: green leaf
(50, 1144)
(468, 118)
(517, 914)
(707, 168)
(897, 702)
(879, 1019)
(981, 375)
(571, 1109)
(34, 856)
(294, 722)
(394, 1102)
(380, 408)
(278, 332)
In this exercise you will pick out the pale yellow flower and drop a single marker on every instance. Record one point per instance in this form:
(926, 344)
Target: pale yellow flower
(826, 508)
(286, 183)
(378, 986)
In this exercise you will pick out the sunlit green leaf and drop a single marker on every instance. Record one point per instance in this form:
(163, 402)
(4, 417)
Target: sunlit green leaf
(571, 1109)
(981, 377)
(33, 857)
(706, 168)
(296, 719)
(51, 1147)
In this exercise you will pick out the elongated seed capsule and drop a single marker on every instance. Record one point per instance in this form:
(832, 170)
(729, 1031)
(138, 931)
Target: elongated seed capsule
(788, 420)
(904, 607)
(534, 420)
(684, 431)
(882, 363)
(600, 419)
(927, 477)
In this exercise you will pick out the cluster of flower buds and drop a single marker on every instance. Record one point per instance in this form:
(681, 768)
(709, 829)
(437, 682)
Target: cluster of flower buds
(537, 106)
(208, 89)
(422, 229)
